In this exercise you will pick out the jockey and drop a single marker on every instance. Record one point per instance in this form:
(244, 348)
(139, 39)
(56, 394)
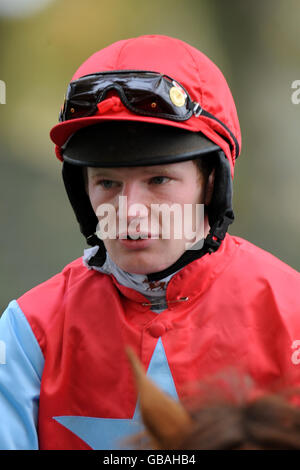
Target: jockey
(148, 125)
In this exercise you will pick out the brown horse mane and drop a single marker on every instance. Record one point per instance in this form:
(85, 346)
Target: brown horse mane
(226, 412)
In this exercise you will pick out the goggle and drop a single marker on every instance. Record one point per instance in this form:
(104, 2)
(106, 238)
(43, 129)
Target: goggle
(145, 93)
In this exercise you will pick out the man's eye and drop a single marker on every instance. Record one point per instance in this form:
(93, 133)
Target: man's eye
(106, 184)
(159, 179)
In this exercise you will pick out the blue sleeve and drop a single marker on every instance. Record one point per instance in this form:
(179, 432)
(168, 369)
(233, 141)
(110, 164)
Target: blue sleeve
(21, 367)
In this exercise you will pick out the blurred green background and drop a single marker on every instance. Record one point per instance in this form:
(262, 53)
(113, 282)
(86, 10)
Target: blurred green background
(256, 45)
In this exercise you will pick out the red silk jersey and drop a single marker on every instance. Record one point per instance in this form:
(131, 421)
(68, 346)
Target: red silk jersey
(238, 307)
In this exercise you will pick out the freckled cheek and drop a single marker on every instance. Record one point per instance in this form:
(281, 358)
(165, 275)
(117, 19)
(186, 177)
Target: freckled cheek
(97, 198)
(190, 195)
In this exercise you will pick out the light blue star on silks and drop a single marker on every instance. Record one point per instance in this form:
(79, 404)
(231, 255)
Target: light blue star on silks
(108, 433)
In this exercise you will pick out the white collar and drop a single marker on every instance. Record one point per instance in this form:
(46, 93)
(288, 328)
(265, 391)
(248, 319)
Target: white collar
(155, 291)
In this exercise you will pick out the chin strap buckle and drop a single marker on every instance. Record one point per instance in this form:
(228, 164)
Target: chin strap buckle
(99, 258)
(217, 233)
(92, 240)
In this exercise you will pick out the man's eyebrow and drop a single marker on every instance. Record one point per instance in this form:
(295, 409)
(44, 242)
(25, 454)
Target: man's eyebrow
(100, 171)
(113, 172)
(158, 169)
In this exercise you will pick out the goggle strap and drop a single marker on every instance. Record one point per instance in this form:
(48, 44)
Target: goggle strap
(211, 116)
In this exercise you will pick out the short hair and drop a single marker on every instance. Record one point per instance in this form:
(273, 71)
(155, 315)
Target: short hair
(205, 164)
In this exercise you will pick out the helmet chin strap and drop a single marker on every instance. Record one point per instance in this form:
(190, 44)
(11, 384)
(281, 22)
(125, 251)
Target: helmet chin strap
(211, 243)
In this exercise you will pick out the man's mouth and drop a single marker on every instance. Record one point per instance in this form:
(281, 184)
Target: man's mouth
(137, 236)
(136, 242)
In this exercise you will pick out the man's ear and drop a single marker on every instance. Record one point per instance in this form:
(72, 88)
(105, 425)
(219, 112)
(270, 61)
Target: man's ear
(209, 187)
(166, 420)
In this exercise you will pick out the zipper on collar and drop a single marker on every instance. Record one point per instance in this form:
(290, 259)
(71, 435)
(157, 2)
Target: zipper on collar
(182, 299)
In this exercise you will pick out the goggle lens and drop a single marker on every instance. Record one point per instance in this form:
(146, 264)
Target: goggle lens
(145, 93)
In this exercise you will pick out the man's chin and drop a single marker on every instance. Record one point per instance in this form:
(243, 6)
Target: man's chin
(144, 261)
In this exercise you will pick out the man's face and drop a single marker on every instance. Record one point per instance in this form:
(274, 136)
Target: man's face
(151, 187)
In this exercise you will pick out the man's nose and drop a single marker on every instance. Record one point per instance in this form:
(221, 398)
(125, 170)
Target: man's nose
(136, 200)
